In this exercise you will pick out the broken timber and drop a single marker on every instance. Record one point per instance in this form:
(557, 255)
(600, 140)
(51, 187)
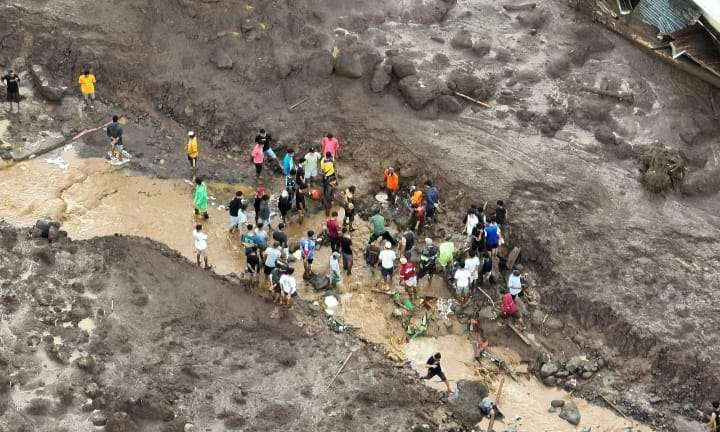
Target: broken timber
(497, 401)
(520, 335)
(473, 100)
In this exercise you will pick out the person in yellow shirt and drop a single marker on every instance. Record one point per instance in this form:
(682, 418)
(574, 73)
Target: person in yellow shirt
(192, 152)
(87, 87)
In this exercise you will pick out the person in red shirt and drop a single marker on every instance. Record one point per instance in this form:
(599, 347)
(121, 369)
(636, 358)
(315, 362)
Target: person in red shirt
(408, 277)
(509, 308)
(417, 217)
(333, 229)
(330, 144)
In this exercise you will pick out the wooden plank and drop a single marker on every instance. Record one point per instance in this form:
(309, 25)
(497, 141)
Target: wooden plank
(512, 257)
(340, 370)
(497, 401)
(520, 335)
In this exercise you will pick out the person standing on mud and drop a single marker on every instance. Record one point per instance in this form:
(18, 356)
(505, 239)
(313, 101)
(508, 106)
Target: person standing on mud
(282, 238)
(260, 238)
(492, 237)
(284, 205)
(300, 203)
(191, 148)
(264, 212)
(259, 192)
(288, 162)
(12, 87)
(258, 158)
(200, 241)
(87, 88)
(265, 140)
(417, 217)
(471, 220)
(713, 418)
(428, 258)
(392, 183)
(408, 277)
(333, 230)
(377, 224)
(330, 144)
(432, 198)
(407, 243)
(248, 240)
(307, 248)
(349, 207)
(462, 278)
(201, 198)
(435, 370)
(335, 278)
(387, 264)
(327, 167)
(311, 164)
(236, 208)
(272, 254)
(115, 132)
(472, 264)
(346, 250)
(252, 266)
(445, 255)
(288, 285)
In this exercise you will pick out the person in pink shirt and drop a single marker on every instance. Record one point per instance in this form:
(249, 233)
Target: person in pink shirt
(330, 144)
(258, 158)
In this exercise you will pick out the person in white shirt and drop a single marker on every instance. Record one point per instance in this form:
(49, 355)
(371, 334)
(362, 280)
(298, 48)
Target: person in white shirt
(272, 254)
(471, 219)
(200, 245)
(515, 284)
(462, 284)
(288, 287)
(387, 263)
(472, 264)
(312, 159)
(335, 278)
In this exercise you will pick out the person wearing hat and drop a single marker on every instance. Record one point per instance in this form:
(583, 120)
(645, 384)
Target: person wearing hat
(387, 259)
(335, 278)
(408, 277)
(12, 81)
(428, 258)
(191, 148)
(392, 183)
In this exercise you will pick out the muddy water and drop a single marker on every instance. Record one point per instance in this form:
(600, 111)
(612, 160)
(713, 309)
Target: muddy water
(524, 402)
(92, 198)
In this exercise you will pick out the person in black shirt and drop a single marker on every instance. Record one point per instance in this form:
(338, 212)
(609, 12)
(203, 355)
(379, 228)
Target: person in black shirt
(252, 268)
(282, 238)
(486, 268)
(300, 204)
(500, 213)
(346, 251)
(115, 132)
(265, 139)
(434, 369)
(237, 207)
(12, 81)
(284, 205)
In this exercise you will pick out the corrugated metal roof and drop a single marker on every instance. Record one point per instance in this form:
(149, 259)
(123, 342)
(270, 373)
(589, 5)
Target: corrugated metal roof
(695, 43)
(668, 16)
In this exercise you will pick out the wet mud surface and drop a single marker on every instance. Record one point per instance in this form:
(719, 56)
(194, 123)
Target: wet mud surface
(609, 259)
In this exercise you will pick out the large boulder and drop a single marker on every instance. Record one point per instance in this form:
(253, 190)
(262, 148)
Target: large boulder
(46, 85)
(449, 104)
(462, 40)
(381, 77)
(356, 60)
(570, 413)
(402, 66)
(548, 369)
(420, 90)
(463, 82)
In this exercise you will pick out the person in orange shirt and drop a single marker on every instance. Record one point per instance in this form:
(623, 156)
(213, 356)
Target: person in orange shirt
(392, 183)
(87, 87)
(417, 196)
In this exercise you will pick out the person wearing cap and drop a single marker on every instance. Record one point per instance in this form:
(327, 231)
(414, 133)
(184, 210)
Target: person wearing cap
(408, 277)
(387, 259)
(201, 198)
(392, 183)
(428, 258)
(335, 278)
(12, 84)
(87, 87)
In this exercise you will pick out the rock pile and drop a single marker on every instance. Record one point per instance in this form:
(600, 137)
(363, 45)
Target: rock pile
(555, 373)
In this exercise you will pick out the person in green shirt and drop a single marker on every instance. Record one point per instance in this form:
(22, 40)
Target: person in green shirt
(377, 224)
(445, 255)
(201, 198)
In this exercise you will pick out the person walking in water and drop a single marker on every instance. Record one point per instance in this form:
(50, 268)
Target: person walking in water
(191, 149)
(200, 200)
(12, 84)
(87, 88)
(200, 239)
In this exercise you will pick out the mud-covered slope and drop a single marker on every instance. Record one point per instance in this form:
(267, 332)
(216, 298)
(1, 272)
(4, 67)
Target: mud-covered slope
(174, 344)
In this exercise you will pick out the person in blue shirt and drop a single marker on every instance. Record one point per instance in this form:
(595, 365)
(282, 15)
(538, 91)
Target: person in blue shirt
(432, 197)
(492, 237)
(288, 162)
(307, 246)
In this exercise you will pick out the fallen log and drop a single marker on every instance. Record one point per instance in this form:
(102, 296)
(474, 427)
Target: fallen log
(520, 335)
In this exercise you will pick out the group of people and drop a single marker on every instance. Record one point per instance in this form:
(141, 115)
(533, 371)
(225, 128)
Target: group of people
(11, 80)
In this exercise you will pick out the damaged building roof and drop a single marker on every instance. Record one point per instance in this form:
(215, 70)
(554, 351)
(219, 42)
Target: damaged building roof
(668, 16)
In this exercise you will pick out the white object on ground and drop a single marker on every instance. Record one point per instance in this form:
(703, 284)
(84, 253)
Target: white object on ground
(59, 161)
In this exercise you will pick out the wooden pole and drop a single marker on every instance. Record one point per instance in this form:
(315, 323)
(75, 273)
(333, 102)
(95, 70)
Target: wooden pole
(497, 400)
(340, 370)
(473, 100)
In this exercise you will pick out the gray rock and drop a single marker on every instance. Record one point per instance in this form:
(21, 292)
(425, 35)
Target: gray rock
(221, 59)
(570, 413)
(420, 90)
(550, 381)
(605, 135)
(402, 67)
(98, 418)
(381, 78)
(92, 390)
(562, 373)
(576, 364)
(356, 60)
(587, 375)
(447, 103)
(481, 48)
(684, 425)
(462, 40)
(319, 64)
(557, 403)
(46, 85)
(437, 39)
(548, 369)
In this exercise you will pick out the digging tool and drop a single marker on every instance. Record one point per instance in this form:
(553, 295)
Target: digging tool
(497, 401)
(340, 370)
(483, 104)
